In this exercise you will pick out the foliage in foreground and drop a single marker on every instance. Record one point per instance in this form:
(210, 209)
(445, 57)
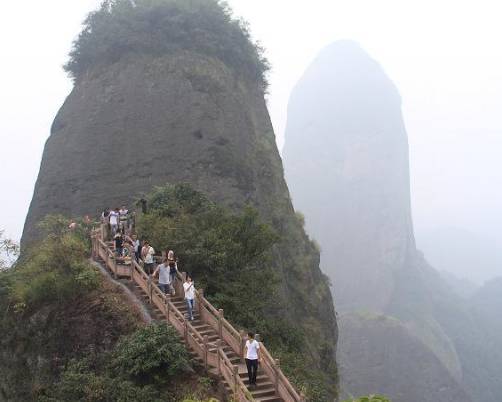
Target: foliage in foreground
(55, 307)
(158, 27)
(139, 368)
(371, 398)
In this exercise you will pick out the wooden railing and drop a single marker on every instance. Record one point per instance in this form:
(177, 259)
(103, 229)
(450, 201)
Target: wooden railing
(212, 354)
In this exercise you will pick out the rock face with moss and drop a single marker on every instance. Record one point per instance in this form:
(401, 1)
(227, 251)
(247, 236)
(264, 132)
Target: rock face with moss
(181, 110)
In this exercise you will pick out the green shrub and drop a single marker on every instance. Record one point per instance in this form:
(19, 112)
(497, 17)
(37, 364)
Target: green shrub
(56, 269)
(159, 27)
(154, 352)
(371, 398)
(80, 382)
(139, 368)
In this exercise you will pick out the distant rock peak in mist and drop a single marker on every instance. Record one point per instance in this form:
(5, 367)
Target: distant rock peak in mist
(344, 120)
(347, 167)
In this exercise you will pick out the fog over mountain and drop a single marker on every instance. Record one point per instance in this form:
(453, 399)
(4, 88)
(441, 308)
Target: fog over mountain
(424, 338)
(448, 73)
(464, 253)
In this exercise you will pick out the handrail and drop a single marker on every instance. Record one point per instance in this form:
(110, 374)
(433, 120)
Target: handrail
(286, 383)
(283, 386)
(235, 374)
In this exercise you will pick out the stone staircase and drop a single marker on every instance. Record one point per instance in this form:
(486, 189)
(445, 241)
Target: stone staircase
(210, 338)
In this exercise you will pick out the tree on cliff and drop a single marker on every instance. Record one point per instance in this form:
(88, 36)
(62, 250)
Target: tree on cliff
(157, 27)
(9, 250)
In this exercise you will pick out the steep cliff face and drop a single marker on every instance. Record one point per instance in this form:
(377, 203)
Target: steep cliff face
(184, 116)
(346, 159)
(400, 355)
(345, 127)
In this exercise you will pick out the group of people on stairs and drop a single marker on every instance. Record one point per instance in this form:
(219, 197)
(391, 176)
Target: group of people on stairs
(119, 225)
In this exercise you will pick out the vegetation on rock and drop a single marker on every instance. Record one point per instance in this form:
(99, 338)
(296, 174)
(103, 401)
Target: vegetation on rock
(371, 398)
(55, 308)
(230, 255)
(158, 27)
(68, 335)
(141, 367)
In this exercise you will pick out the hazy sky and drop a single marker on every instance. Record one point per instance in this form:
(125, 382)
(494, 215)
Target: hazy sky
(443, 55)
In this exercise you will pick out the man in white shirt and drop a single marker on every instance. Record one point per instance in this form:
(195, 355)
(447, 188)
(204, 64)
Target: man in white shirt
(189, 288)
(114, 221)
(147, 253)
(164, 278)
(124, 219)
(252, 357)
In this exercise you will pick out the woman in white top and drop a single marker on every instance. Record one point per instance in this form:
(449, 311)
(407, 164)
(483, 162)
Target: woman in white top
(252, 356)
(189, 288)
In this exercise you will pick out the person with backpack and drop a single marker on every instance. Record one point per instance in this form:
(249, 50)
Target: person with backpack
(162, 272)
(252, 357)
(173, 267)
(189, 288)
(136, 245)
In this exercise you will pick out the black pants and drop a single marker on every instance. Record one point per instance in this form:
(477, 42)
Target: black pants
(252, 366)
(148, 268)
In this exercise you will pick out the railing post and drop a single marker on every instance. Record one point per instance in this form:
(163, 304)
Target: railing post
(199, 304)
(276, 374)
(220, 323)
(243, 344)
(236, 375)
(185, 323)
(219, 351)
(168, 309)
(150, 288)
(205, 351)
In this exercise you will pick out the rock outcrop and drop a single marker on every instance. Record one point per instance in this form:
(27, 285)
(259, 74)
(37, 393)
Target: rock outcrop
(401, 356)
(184, 117)
(346, 160)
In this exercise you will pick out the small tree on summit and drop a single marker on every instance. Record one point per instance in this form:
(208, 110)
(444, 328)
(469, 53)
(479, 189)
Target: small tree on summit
(161, 27)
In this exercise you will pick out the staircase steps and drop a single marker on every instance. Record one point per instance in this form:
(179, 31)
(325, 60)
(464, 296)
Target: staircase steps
(264, 391)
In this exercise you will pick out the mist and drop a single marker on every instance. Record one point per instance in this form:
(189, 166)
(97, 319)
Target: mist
(442, 56)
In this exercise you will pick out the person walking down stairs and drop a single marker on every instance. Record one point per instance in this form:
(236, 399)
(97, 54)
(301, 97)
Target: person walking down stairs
(162, 272)
(147, 253)
(119, 244)
(252, 357)
(173, 269)
(114, 221)
(189, 288)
